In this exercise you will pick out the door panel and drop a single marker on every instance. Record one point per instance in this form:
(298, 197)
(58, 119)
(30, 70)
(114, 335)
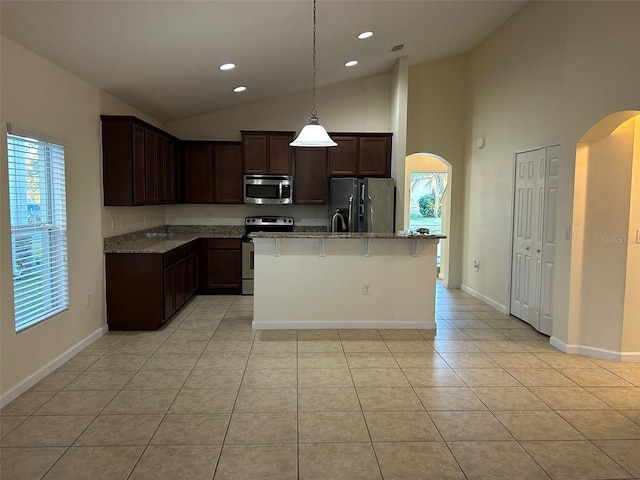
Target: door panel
(534, 237)
(549, 240)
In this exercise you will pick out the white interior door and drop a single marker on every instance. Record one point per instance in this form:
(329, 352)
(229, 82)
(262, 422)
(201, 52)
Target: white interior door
(525, 264)
(549, 240)
(534, 237)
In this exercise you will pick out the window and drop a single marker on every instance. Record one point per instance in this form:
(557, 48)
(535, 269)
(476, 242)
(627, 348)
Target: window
(38, 214)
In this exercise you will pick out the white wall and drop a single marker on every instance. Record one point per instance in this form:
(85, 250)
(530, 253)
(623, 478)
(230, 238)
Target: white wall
(360, 106)
(41, 96)
(547, 75)
(438, 110)
(399, 117)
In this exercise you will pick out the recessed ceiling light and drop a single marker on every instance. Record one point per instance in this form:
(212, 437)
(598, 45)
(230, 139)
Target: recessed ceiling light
(364, 35)
(239, 89)
(351, 63)
(227, 66)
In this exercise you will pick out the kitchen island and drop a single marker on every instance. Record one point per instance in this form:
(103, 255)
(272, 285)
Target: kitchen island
(344, 280)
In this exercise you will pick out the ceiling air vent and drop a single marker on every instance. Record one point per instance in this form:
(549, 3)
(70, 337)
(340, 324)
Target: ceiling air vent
(396, 48)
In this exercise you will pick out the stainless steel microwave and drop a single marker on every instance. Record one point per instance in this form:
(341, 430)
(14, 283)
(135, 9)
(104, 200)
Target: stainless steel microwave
(268, 189)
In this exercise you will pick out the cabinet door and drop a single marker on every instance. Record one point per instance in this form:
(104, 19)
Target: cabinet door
(161, 173)
(170, 171)
(255, 151)
(280, 154)
(374, 156)
(169, 291)
(223, 270)
(151, 180)
(180, 284)
(198, 173)
(228, 173)
(138, 134)
(343, 159)
(310, 175)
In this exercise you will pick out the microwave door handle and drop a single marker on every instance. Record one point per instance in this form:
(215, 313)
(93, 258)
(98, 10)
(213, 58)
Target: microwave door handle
(279, 191)
(350, 219)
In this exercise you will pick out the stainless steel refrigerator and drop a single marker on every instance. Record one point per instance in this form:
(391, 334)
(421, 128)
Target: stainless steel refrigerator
(362, 205)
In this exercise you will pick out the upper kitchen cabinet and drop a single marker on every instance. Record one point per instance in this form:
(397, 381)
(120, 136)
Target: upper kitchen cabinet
(198, 172)
(139, 163)
(310, 176)
(360, 155)
(267, 152)
(227, 172)
(212, 172)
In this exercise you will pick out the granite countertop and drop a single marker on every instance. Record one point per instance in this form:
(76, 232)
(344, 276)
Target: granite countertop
(170, 237)
(361, 236)
(165, 239)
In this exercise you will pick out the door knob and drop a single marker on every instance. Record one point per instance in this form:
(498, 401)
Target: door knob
(526, 248)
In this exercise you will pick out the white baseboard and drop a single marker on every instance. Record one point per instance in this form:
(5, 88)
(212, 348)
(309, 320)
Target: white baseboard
(594, 352)
(330, 324)
(54, 364)
(492, 303)
(450, 285)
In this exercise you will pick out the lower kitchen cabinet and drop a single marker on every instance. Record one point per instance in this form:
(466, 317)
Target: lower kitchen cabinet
(145, 289)
(221, 265)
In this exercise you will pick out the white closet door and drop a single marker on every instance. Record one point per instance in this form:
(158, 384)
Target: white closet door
(534, 237)
(549, 240)
(525, 270)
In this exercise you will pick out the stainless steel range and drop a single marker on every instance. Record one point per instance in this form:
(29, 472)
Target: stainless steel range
(259, 223)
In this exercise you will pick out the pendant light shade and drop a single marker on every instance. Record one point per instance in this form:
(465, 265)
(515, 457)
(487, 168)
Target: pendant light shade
(313, 134)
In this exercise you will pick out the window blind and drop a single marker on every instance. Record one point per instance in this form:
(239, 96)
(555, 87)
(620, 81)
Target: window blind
(37, 204)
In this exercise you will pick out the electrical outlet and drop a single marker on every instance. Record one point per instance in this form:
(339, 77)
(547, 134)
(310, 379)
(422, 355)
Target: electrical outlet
(88, 300)
(366, 289)
(113, 224)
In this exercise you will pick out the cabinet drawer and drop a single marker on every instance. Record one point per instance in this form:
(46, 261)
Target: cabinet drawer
(223, 243)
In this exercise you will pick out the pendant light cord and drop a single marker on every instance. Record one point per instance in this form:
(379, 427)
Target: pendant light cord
(314, 113)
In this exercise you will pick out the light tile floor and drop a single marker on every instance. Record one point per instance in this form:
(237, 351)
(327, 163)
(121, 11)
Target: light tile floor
(482, 397)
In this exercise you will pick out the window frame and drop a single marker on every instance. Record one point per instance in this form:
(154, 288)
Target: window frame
(42, 231)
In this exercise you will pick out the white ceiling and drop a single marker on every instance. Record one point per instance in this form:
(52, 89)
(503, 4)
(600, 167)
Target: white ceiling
(162, 57)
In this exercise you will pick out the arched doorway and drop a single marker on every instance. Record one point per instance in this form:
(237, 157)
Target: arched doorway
(427, 177)
(605, 246)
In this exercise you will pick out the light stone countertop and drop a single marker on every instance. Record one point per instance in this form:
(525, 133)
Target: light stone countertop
(357, 236)
(170, 237)
(167, 238)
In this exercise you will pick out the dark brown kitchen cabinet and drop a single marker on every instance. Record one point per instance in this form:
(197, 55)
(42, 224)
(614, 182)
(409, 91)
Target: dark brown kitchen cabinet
(267, 152)
(134, 166)
(151, 167)
(227, 175)
(310, 186)
(360, 155)
(221, 265)
(212, 172)
(170, 172)
(343, 159)
(145, 289)
(198, 172)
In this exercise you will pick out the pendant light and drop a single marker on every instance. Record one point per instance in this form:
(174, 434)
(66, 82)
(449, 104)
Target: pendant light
(313, 134)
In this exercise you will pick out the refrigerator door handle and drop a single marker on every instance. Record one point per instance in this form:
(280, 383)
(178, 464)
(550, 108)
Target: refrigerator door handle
(370, 214)
(350, 219)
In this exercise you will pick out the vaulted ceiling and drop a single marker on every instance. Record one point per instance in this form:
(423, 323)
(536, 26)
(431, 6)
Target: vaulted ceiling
(162, 57)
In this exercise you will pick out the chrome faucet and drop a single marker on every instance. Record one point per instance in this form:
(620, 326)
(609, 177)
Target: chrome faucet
(334, 221)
